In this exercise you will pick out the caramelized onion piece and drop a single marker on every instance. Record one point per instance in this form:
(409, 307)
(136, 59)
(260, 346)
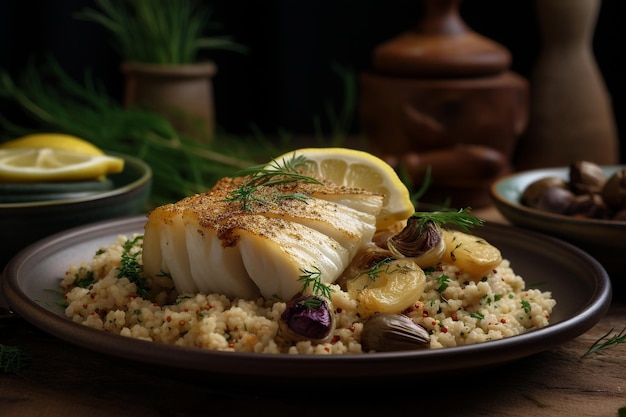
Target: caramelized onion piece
(423, 243)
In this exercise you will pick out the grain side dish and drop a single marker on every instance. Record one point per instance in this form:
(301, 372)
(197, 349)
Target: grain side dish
(454, 309)
(282, 260)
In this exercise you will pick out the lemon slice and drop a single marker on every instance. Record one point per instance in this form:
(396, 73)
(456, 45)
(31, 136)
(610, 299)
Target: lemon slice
(28, 165)
(359, 169)
(55, 141)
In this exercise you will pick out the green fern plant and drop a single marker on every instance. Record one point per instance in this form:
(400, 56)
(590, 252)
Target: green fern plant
(167, 32)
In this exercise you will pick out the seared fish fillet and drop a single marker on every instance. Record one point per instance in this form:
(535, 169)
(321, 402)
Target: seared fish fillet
(208, 244)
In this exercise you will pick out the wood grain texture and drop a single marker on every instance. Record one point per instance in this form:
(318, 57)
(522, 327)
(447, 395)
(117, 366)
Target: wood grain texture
(64, 380)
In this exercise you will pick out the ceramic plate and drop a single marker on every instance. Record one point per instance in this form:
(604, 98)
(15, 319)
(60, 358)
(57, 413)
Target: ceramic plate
(578, 283)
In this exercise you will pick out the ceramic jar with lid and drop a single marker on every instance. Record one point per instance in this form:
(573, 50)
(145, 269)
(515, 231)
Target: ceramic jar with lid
(441, 103)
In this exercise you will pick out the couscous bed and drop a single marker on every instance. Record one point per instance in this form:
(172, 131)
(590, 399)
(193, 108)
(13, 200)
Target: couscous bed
(107, 293)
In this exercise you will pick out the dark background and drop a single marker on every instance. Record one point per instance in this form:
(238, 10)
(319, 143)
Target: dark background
(288, 79)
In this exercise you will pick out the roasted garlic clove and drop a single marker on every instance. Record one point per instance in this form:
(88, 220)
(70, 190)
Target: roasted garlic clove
(308, 317)
(586, 177)
(589, 206)
(393, 332)
(535, 191)
(556, 200)
(422, 243)
(614, 191)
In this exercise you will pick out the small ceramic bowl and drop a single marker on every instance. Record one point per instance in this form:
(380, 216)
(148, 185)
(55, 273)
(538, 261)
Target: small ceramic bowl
(30, 213)
(603, 239)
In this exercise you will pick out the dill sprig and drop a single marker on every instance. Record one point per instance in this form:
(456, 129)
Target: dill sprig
(606, 342)
(313, 279)
(129, 267)
(13, 359)
(263, 176)
(460, 218)
(384, 267)
(377, 268)
(311, 303)
(443, 282)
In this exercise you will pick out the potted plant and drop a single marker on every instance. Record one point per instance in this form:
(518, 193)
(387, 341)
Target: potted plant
(160, 42)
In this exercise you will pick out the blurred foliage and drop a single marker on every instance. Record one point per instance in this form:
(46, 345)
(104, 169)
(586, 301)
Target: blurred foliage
(169, 32)
(181, 165)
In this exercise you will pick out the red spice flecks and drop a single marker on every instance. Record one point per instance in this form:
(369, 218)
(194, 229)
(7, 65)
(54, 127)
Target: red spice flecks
(339, 310)
(503, 320)
(133, 295)
(182, 323)
(454, 316)
(444, 329)
(168, 318)
(231, 345)
(433, 323)
(92, 295)
(425, 314)
(495, 271)
(327, 349)
(351, 328)
(85, 306)
(335, 339)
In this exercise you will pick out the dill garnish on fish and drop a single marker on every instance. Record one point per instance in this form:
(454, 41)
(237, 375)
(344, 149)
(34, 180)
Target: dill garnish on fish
(255, 189)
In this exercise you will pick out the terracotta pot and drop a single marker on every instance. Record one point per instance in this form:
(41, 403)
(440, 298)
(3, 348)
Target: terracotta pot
(182, 94)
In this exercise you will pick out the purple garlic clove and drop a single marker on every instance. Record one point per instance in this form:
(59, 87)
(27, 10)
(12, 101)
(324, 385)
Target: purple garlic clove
(308, 317)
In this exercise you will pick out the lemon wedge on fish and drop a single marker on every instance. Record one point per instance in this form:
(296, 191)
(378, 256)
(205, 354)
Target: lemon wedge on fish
(54, 158)
(358, 169)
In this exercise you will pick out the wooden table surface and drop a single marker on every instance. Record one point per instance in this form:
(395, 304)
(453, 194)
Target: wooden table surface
(66, 380)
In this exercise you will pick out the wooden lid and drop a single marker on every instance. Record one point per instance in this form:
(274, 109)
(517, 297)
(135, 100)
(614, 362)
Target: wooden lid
(441, 45)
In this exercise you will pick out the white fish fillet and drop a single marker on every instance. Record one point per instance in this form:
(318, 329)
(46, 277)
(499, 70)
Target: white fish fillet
(207, 244)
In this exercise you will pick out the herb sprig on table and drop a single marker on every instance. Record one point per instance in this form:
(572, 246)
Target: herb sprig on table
(13, 359)
(606, 342)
